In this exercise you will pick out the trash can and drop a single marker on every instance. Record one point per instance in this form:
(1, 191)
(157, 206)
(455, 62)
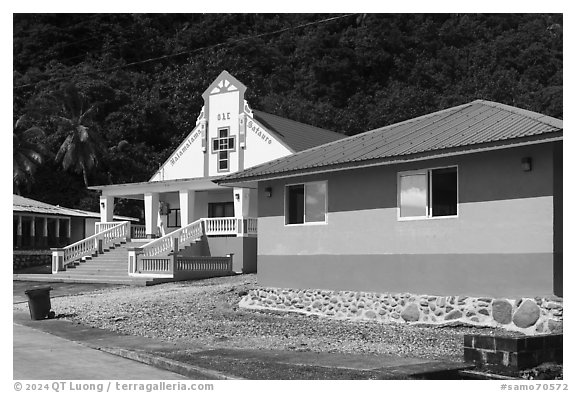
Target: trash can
(39, 303)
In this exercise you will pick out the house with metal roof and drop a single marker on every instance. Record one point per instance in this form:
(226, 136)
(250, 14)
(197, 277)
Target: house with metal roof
(39, 225)
(181, 200)
(464, 201)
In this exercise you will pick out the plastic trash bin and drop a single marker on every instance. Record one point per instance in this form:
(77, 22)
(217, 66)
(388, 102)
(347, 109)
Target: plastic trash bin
(39, 303)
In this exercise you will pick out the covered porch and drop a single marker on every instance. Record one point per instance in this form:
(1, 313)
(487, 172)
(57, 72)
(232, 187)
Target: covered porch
(41, 231)
(173, 204)
(190, 218)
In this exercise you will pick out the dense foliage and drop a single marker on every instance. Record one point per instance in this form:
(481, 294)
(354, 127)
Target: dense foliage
(144, 76)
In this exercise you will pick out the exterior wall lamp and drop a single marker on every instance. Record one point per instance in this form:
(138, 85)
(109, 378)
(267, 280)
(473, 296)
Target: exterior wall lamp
(268, 192)
(527, 164)
(237, 196)
(102, 205)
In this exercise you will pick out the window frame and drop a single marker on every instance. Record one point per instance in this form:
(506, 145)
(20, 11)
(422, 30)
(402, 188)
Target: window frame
(325, 222)
(429, 185)
(222, 141)
(212, 206)
(178, 218)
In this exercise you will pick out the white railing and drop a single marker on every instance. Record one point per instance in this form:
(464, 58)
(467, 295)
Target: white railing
(252, 226)
(204, 264)
(221, 226)
(138, 231)
(173, 265)
(165, 244)
(102, 226)
(155, 265)
(89, 246)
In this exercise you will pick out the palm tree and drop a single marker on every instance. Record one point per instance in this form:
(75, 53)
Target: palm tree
(82, 147)
(28, 153)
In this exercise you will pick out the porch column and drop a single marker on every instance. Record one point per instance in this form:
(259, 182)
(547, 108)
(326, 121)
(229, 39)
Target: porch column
(106, 208)
(187, 198)
(151, 211)
(241, 202)
(241, 205)
(33, 232)
(45, 232)
(68, 230)
(57, 230)
(19, 232)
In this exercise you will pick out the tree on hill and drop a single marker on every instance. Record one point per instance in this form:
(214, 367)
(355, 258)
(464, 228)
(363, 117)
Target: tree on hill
(28, 152)
(82, 146)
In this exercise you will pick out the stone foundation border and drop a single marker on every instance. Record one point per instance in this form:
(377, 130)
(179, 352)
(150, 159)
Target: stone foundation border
(530, 316)
(29, 258)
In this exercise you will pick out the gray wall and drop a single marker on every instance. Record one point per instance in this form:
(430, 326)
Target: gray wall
(504, 232)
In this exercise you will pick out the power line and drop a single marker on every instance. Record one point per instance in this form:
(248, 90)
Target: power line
(154, 59)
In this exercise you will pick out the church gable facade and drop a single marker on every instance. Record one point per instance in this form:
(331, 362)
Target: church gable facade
(226, 138)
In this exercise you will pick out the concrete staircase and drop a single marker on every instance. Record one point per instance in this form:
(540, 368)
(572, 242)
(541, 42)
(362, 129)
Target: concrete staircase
(111, 267)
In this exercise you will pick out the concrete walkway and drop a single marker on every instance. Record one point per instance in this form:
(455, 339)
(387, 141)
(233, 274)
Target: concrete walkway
(45, 349)
(43, 356)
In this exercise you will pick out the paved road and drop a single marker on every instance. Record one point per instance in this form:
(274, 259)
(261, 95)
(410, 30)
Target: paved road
(58, 289)
(43, 356)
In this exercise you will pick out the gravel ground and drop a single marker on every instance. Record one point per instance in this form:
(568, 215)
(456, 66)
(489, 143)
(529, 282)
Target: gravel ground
(205, 313)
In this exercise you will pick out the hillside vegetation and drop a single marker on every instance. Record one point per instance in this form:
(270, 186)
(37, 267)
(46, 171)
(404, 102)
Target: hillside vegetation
(128, 86)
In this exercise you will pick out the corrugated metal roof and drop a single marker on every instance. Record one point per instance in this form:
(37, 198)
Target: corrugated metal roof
(298, 136)
(27, 205)
(476, 124)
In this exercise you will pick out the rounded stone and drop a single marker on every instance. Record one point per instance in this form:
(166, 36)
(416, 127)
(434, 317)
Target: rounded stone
(317, 304)
(527, 314)
(551, 305)
(411, 313)
(455, 314)
(555, 326)
(441, 302)
(502, 311)
(370, 314)
(483, 311)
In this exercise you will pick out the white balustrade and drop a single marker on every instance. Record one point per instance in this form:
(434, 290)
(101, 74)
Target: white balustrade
(252, 226)
(103, 226)
(221, 226)
(165, 244)
(138, 231)
(90, 245)
(204, 264)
